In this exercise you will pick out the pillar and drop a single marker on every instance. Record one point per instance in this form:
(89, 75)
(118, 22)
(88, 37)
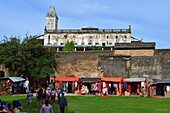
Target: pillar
(57, 49)
(79, 89)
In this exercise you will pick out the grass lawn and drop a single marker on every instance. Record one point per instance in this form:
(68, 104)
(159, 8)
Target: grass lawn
(95, 104)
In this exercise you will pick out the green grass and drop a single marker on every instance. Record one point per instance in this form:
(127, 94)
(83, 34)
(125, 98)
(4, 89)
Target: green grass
(95, 104)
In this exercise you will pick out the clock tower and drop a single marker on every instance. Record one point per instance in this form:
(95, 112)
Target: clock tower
(51, 20)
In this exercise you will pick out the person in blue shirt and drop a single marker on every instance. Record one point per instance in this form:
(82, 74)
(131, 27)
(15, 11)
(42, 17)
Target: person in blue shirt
(29, 97)
(17, 106)
(58, 93)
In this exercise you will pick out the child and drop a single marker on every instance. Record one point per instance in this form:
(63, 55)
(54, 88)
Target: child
(29, 98)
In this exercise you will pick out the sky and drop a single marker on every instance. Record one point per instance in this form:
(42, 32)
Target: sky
(149, 19)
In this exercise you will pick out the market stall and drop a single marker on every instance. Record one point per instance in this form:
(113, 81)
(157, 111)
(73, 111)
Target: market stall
(90, 85)
(68, 84)
(114, 86)
(134, 86)
(159, 87)
(11, 85)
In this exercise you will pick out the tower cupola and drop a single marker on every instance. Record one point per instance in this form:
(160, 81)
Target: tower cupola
(51, 20)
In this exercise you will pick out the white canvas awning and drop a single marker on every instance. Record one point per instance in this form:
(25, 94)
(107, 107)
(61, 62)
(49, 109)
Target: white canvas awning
(16, 79)
(134, 80)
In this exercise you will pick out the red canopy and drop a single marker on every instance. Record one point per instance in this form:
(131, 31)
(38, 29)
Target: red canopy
(110, 79)
(67, 79)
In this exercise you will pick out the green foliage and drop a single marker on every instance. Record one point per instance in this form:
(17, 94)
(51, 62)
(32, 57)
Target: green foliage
(27, 57)
(69, 46)
(165, 63)
(95, 48)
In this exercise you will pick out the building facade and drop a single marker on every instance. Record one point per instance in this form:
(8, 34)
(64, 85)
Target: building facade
(83, 38)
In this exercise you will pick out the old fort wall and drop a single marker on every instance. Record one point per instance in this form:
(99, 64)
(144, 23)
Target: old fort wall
(91, 64)
(142, 52)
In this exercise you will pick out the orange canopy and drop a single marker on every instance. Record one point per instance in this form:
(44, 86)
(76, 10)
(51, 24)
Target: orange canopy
(153, 83)
(67, 79)
(110, 79)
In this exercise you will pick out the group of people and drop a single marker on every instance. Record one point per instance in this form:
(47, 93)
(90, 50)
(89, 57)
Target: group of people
(13, 107)
(44, 96)
(47, 94)
(43, 99)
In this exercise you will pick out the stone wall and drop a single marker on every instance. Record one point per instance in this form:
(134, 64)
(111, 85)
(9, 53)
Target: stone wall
(164, 55)
(145, 65)
(107, 63)
(113, 66)
(80, 64)
(139, 52)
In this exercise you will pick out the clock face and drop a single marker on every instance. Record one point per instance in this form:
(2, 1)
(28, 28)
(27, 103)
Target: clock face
(51, 20)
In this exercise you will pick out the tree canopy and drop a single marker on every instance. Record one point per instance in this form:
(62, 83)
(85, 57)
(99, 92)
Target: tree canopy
(69, 46)
(27, 57)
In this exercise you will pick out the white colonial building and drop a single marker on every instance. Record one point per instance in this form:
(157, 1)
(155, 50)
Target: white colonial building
(83, 38)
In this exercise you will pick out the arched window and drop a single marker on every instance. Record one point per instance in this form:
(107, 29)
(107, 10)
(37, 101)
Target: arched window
(107, 36)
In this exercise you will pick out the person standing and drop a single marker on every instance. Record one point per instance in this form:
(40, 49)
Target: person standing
(46, 108)
(62, 103)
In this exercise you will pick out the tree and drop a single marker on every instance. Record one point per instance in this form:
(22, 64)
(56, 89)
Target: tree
(27, 57)
(69, 46)
(95, 48)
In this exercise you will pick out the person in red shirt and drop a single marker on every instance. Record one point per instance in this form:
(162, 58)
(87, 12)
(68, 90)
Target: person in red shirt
(45, 96)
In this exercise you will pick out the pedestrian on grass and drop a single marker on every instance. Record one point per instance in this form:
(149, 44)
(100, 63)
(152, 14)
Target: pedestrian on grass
(53, 95)
(62, 103)
(58, 94)
(29, 98)
(46, 108)
(44, 96)
(39, 97)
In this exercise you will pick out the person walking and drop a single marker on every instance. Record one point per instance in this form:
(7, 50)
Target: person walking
(29, 98)
(44, 96)
(58, 94)
(53, 95)
(46, 108)
(39, 97)
(62, 103)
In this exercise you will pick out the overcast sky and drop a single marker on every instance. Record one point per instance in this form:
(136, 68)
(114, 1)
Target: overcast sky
(149, 19)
